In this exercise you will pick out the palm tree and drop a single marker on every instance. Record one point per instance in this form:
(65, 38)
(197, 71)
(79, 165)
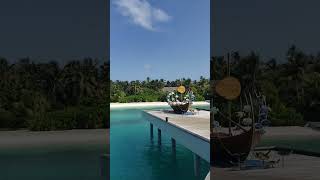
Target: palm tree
(297, 62)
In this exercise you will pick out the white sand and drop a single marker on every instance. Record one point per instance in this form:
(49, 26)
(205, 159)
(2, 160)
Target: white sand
(149, 104)
(25, 138)
(285, 132)
(290, 131)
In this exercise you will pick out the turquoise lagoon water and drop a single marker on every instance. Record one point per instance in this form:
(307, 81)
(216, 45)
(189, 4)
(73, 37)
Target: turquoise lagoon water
(52, 163)
(134, 156)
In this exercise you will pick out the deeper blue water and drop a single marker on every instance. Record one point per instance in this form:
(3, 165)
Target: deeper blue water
(134, 156)
(52, 163)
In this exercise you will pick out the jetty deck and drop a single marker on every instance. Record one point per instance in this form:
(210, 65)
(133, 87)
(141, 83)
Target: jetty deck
(189, 130)
(197, 124)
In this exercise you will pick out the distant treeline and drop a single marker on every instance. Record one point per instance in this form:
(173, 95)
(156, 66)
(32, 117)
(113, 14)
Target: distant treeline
(152, 90)
(46, 96)
(292, 88)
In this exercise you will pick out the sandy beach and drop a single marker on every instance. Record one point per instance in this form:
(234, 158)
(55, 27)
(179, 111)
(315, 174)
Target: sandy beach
(290, 131)
(286, 132)
(31, 139)
(149, 104)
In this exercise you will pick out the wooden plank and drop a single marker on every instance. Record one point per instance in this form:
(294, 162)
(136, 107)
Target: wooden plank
(198, 124)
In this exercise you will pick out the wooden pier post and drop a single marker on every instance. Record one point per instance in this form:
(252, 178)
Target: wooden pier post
(173, 143)
(151, 130)
(105, 165)
(159, 136)
(196, 165)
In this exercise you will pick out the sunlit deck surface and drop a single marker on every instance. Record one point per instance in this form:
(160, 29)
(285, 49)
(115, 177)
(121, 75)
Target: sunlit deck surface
(296, 167)
(190, 130)
(197, 123)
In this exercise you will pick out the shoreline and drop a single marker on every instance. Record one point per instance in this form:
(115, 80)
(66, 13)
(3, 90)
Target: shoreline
(149, 104)
(290, 132)
(59, 139)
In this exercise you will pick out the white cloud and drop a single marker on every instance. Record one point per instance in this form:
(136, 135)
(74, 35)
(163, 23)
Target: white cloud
(147, 67)
(142, 13)
(160, 15)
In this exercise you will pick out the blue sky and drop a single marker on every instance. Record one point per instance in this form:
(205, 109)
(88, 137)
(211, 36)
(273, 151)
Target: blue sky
(167, 39)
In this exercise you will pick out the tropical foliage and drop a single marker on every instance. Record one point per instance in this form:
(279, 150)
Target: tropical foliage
(152, 90)
(291, 88)
(46, 96)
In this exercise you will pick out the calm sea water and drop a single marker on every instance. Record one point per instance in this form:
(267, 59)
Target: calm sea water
(52, 163)
(134, 156)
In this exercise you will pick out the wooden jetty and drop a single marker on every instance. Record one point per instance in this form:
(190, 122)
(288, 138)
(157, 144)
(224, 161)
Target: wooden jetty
(189, 130)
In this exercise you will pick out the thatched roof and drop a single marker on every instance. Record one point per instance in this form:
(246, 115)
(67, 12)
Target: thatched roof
(169, 89)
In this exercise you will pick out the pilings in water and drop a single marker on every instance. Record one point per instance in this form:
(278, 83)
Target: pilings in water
(105, 165)
(159, 134)
(159, 137)
(196, 165)
(191, 133)
(173, 147)
(151, 130)
(173, 143)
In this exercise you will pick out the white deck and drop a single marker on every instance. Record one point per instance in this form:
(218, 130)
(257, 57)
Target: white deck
(192, 131)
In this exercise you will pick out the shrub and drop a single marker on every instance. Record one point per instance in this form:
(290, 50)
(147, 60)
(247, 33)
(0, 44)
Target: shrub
(63, 119)
(283, 116)
(6, 118)
(40, 122)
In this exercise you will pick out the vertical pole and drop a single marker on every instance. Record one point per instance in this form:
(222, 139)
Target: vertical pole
(159, 136)
(173, 142)
(105, 165)
(229, 102)
(196, 165)
(151, 130)
(229, 115)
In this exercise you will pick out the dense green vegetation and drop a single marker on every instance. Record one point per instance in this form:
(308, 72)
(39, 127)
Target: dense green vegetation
(46, 96)
(292, 88)
(152, 90)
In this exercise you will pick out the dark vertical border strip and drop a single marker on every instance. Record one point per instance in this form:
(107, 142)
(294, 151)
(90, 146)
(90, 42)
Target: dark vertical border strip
(108, 87)
(211, 73)
(108, 60)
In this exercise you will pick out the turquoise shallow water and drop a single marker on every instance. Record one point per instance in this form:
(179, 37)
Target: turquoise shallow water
(52, 163)
(134, 156)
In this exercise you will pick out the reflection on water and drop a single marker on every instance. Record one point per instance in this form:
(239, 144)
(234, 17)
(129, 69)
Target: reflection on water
(135, 156)
(72, 163)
